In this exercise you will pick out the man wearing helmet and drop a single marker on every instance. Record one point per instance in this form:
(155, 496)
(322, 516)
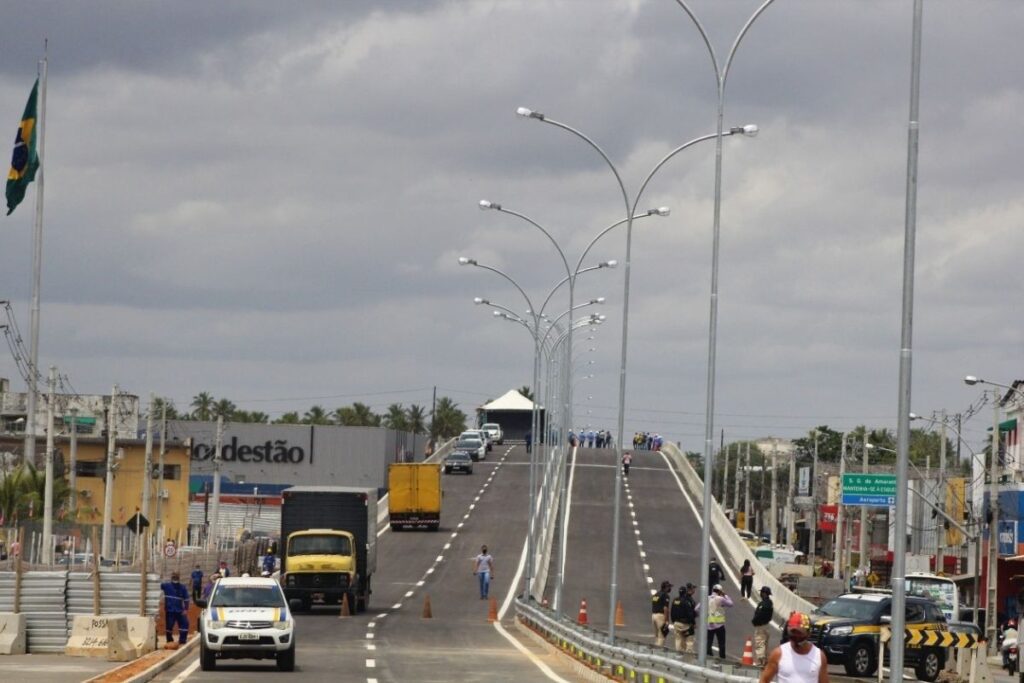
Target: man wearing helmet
(799, 660)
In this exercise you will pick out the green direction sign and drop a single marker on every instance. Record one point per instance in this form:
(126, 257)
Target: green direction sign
(873, 490)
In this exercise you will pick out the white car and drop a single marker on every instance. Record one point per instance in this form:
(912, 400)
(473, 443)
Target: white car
(246, 618)
(477, 434)
(493, 430)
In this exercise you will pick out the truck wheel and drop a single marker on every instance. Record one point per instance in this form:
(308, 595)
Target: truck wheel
(207, 658)
(286, 660)
(861, 660)
(929, 666)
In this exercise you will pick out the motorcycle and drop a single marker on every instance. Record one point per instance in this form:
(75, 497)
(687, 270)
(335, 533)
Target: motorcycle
(1011, 660)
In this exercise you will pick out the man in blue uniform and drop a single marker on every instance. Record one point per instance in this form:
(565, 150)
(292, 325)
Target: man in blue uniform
(175, 608)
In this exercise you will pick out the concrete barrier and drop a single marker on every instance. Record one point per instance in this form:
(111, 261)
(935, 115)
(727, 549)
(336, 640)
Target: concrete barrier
(142, 633)
(101, 636)
(12, 634)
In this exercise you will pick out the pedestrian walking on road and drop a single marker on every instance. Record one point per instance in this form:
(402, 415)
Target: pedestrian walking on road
(660, 612)
(528, 437)
(627, 458)
(718, 601)
(746, 579)
(715, 573)
(684, 616)
(483, 568)
(762, 617)
(798, 661)
(175, 608)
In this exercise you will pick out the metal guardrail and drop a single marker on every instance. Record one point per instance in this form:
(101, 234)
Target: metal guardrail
(42, 603)
(626, 660)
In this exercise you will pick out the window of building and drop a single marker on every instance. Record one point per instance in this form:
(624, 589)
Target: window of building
(171, 472)
(90, 468)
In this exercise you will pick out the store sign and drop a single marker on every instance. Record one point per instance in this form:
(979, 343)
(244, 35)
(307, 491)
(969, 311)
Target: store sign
(827, 515)
(1007, 537)
(804, 487)
(271, 452)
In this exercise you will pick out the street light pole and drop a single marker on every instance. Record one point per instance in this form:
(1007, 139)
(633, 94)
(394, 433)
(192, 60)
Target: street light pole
(814, 499)
(108, 488)
(862, 540)
(837, 566)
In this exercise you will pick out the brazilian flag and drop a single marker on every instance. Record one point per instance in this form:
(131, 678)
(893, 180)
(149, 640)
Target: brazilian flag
(25, 159)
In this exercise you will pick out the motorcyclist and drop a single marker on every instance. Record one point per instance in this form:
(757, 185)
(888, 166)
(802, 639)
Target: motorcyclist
(1009, 640)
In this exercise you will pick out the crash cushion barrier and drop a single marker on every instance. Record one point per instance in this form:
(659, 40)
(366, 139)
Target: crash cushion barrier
(733, 549)
(101, 636)
(12, 634)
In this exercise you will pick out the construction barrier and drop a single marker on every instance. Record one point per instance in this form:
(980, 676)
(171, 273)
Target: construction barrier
(103, 636)
(142, 633)
(12, 634)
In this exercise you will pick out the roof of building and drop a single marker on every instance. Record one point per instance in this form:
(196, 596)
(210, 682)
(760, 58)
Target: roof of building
(511, 400)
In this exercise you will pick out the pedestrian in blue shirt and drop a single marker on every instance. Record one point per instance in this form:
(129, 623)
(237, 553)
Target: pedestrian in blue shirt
(175, 608)
(197, 583)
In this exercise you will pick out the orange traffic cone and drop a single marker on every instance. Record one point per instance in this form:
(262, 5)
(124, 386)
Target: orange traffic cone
(582, 618)
(427, 614)
(748, 654)
(492, 612)
(346, 611)
(620, 617)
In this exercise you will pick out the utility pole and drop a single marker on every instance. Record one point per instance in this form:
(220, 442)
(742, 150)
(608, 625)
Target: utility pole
(215, 515)
(746, 494)
(160, 473)
(863, 539)
(790, 510)
(725, 478)
(108, 487)
(773, 531)
(147, 465)
(940, 546)
(992, 577)
(814, 499)
(837, 566)
(48, 485)
(73, 473)
(736, 487)
(433, 413)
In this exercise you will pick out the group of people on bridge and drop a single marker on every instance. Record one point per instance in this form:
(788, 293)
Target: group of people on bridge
(588, 438)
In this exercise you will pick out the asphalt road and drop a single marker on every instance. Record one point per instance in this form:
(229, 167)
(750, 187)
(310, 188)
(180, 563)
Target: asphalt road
(392, 641)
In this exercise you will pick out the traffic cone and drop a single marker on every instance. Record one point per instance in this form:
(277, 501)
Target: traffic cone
(582, 618)
(427, 614)
(748, 654)
(492, 611)
(346, 611)
(620, 617)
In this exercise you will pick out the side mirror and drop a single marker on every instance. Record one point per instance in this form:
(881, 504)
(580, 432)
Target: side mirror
(200, 603)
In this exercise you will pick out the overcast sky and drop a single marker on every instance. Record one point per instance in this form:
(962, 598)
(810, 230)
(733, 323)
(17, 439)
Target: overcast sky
(266, 201)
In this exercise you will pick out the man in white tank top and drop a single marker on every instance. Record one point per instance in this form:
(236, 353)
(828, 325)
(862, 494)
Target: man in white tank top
(799, 660)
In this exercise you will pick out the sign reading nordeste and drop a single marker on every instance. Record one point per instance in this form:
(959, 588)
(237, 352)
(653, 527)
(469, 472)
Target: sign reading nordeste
(874, 490)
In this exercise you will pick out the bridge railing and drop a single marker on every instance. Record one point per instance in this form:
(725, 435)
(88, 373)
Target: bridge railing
(625, 660)
(734, 549)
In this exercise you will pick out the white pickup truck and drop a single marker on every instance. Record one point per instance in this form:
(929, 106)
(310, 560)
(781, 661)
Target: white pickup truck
(493, 430)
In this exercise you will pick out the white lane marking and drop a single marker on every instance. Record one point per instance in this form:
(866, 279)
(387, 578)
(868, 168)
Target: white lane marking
(639, 542)
(386, 527)
(369, 636)
(187, 672)
(447, 546)
(418, 583)
(650, 580)
(372, 624)
(371, 647)
(409, 594)
(636, 523)
(636, 531)
(397, 605)
(382, 615)
(440, 558)
(371, 680)
(430, 571)
(471, 506)
(643, 555)
(371, 663)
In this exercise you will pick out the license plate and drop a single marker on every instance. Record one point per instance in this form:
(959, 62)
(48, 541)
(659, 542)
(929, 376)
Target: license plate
(248, 636)
(319, 597)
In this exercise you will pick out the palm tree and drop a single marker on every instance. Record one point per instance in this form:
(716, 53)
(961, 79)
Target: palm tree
(527, 392)
(395, 418)
(224, 408)
(291, 418)
(316, 416)
(159, 403)
(448, 419)
(203, 404)
(258, 417)
(416, 419)
(357, 415)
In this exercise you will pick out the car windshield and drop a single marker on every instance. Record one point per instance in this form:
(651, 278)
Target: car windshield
(469, 443)
(319, 545)
(491, 427)
(247, 596)
(848, 609)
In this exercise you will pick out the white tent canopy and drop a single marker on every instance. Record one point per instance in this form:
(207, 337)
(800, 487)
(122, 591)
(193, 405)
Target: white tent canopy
(511, 400)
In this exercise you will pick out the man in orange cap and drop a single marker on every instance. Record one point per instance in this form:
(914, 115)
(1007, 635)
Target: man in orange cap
(799, 660)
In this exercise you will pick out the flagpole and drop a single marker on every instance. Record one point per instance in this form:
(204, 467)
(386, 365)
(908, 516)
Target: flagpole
(37, 267)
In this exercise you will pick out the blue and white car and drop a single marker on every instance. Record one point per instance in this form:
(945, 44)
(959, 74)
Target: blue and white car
(246, 618)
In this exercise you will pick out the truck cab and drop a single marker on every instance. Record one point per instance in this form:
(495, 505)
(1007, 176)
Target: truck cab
(321, 566)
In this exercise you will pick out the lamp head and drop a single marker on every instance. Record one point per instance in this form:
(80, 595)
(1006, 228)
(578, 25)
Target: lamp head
(477, 300)
(498, 314)
(485, 205)
(750, 130)
(608, 264)
(971, 380)
(598, 300)
(661, 211)
(529, 113)
(465, 261)
(914, 416)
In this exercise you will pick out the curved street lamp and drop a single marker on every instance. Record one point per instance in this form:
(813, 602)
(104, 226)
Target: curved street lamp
(630, 207)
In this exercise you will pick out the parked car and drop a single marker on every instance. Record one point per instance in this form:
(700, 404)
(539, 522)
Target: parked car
(458, 461)
(493, 430)
(476, 448)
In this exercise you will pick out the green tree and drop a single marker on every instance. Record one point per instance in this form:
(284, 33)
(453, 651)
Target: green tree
(316, 415)
(159, 402)
(250, 417)
(357, 415)
(291, 418)
(526, 391)
(416, 419)
(395, 418)
(202, 404)
(224, 408)
(449, 421)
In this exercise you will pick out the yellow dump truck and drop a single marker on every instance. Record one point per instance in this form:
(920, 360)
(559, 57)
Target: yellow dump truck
(414, 495)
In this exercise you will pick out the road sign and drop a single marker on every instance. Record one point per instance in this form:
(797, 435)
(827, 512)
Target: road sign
(170, 550)
(869, 490)
(1007, 537)
(803, 502)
